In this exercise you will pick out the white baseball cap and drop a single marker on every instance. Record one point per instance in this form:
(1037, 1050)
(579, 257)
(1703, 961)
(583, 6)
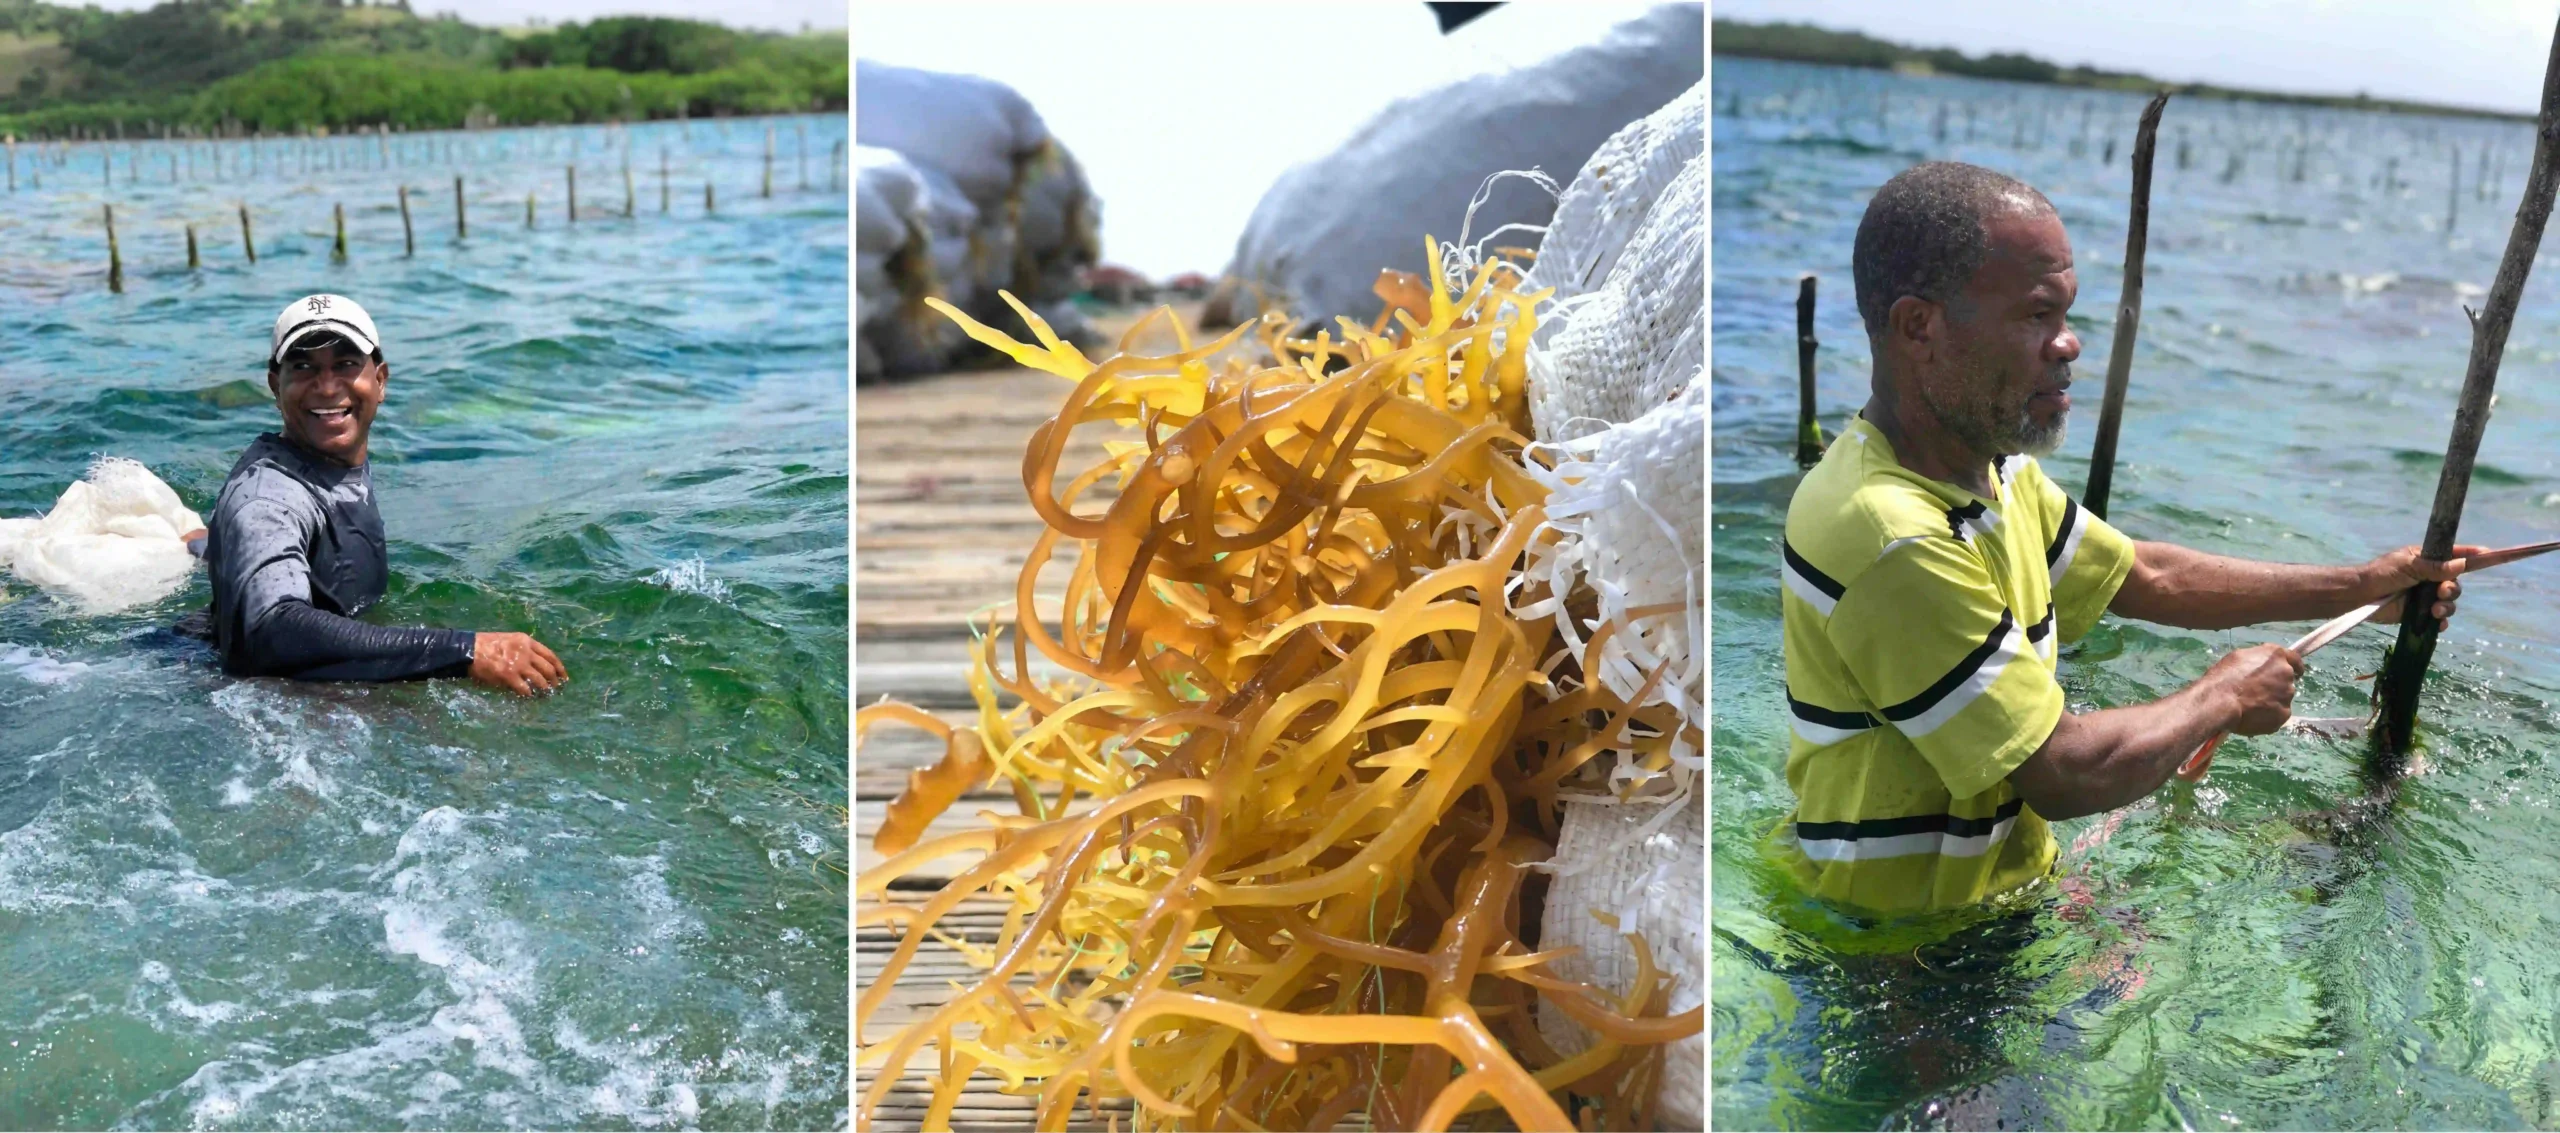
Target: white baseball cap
(316, 314)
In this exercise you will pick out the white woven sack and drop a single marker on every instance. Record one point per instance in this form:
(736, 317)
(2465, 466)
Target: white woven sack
(1320, 235)
(112, 541)
(1618, 393)
(971, 129)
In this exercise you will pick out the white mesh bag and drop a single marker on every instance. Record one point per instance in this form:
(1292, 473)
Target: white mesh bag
(1618, 393)
(111, 542)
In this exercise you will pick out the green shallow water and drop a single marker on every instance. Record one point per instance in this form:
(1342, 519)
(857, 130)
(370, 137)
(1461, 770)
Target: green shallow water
(2232, 963)
(258, 904)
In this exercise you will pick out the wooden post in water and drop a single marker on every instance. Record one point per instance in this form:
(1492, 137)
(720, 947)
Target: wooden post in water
(627, 195)
(461, 226)
(192, 261)
(662, 179)
(2404, 669)
(835, 166)
(408, 235)
(115, 258)
(1808, 430)
(338, 246)
(528, 208)
(768, 162)
(248, 241)
(13, 167)
(800, 150)
(2102, 457)
(707, 210)
(2453, 191)
(573, 194)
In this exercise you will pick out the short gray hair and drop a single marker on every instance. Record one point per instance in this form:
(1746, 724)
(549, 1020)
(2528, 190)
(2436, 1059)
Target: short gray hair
(1923, 234)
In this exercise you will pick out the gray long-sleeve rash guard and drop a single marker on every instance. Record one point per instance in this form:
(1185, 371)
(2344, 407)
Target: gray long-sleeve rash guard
(296, 552)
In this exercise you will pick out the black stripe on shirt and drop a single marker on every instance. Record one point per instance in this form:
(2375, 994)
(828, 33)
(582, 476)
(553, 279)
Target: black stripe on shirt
(2062, 534)
(1820, 581)
(1955, 677)
(2038, 631)
(1951, 825)
(1958, 516)
(1830, 717)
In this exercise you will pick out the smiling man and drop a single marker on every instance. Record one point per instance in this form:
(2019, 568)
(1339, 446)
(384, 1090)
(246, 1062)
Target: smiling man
(1931, 570)
(295, 545)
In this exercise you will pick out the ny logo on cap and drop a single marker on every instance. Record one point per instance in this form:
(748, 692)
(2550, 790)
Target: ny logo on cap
(319, 303)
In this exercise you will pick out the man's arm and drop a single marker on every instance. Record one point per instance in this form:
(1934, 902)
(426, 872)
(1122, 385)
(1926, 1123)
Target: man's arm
(264, 583)
(2177, 586)
(2102, 760)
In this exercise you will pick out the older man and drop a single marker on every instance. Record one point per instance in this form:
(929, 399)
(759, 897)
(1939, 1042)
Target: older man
(296, 547)
(1931, 569)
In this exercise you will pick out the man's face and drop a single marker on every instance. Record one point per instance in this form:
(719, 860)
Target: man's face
(2001, 380)
(328, 396)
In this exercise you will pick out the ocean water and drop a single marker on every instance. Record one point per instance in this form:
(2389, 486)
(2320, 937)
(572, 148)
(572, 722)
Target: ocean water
(260, 904)
(2236, 954)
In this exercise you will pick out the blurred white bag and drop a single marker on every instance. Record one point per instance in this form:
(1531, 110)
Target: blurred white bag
(111, 543)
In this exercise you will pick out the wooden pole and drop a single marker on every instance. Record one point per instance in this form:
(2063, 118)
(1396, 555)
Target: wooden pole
(1808, 431)
(461, 225)
(835, 166)
(707, 208)
(408, 235)
(2102, 457)
(768, 162)
(528, 208)
(115, 258)
(800, 150)
(627, 196)
(2404, 669)
(338, 247)
(662, 179)
(192, 261)
(248, 240)
(2453, 192)
(573, 194)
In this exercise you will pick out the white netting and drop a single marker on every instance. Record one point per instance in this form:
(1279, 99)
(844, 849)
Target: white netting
(1617, 389)
(112, 542)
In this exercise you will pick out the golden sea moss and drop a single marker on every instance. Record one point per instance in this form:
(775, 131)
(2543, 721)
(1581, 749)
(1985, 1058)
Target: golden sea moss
(1276, 832)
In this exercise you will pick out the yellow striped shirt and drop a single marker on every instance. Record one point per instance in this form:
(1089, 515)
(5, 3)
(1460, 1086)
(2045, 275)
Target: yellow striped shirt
(1921, 622)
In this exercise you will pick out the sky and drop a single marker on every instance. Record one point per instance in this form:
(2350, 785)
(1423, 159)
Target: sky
(2482, 53)
(1183, 114)
(762, 15)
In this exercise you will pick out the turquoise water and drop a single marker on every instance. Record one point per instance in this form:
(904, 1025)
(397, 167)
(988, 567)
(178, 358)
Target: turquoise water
(258, 904)
(2235, 960)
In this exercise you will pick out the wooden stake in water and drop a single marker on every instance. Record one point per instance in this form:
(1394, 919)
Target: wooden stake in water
(528, 209)
(707, 209)
(115, 258)
(800, 149)
(573, 194)
(627, 195)
(1808, 431)
(461, 226)
(768, 163)
(408, 236)
(662, 179)
(2453, 191)
(13, 167)
(2102, 458)
(192, 262)
(248, 240)
(835, 166)
(2404, 669)
(338, 247)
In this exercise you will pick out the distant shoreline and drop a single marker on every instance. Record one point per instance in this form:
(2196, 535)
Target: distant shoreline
(1807, 43)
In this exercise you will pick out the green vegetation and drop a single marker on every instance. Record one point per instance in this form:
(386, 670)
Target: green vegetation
(231, 66)
(1805, 43)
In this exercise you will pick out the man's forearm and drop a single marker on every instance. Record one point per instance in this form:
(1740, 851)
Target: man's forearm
(2177, 586)
(2106, 759)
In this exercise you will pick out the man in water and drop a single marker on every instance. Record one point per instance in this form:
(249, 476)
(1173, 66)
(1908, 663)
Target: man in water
(295, 545)
(1931, 567)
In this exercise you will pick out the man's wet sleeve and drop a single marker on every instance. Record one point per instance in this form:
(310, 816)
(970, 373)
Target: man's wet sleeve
(263, 580)
(1947, 663)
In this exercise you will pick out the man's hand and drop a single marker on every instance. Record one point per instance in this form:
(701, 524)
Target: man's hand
(515, 662)
(2260, 682)
(2394, 573)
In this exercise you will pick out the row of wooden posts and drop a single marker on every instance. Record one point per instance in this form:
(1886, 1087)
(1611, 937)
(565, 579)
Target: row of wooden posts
(106, 163)
(2404, 668)
(461, 216)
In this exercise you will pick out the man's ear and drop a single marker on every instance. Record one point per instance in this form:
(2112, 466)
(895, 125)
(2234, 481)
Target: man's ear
(1915, 325)
(273, 390)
